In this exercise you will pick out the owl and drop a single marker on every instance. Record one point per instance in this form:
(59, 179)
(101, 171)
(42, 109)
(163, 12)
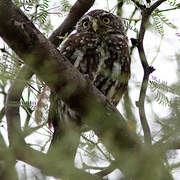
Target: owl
(98, 49)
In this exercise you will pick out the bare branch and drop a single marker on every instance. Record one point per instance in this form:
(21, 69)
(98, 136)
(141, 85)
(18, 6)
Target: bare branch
(105, 171)
(142, 114)
(77, 10)
(146, 12)
(155, 5)
(140, 6)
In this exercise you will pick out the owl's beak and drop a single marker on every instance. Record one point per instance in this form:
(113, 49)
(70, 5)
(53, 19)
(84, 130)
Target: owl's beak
(95, 24)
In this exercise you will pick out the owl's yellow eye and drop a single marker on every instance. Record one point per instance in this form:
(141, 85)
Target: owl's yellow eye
(85, 24)
(106, 20)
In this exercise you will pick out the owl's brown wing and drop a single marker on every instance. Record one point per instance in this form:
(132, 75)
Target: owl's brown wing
(120, 69)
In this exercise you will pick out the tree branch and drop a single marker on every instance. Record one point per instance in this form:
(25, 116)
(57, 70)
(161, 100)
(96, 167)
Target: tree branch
(7, 168)
(76, 12)
(140, 6)
(66, 26)
(21, 150)
(146, 68)
(49, 166)
(12, 107)
(146, 12)
(155, 5)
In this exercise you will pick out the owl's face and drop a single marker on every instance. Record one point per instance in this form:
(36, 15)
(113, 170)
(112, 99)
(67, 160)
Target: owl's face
(99, 21)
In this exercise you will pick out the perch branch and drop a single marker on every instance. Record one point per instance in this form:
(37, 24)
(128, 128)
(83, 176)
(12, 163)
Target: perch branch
(17, 87)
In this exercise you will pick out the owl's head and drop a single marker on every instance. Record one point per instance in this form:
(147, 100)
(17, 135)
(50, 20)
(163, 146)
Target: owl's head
(99, 21)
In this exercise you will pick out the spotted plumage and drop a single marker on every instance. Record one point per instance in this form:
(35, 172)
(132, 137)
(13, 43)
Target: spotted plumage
(99, 48)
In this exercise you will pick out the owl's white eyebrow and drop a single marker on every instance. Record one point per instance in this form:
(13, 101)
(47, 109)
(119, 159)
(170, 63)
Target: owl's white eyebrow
(86, 18)
(105, 14)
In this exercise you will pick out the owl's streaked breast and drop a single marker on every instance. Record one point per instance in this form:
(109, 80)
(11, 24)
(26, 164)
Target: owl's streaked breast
(104, 58)
(87, 50)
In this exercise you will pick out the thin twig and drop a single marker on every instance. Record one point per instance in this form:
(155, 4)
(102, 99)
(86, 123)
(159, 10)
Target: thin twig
(131, 18)
(165, 10)
(105, 171)
(155, 5)
(140, 6)
(76, 12)
(95, 144)
(85, 166)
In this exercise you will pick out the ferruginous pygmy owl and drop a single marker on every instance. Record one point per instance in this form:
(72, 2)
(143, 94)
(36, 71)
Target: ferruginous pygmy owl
(99, 49)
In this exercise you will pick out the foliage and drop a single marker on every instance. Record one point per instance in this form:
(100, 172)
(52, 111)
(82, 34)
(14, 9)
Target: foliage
(158, 23)
(159, 89)
(66, 5)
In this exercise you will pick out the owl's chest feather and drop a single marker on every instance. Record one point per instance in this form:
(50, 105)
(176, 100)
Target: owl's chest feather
(93, 55)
